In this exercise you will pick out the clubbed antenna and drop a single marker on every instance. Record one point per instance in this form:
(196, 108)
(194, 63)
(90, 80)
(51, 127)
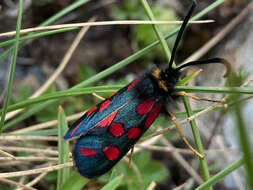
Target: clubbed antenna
(208, 61)
(180, 33)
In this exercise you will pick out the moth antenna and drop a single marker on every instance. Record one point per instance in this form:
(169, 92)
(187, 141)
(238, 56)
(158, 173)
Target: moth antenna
(208, 61)
(180, 33)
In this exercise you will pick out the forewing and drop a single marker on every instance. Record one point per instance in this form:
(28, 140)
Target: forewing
(103, 113)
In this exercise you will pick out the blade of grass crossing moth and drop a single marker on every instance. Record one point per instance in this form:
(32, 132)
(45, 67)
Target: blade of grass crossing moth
(113, 184)
(74, 182)
(219, 176)
(244, 140)
(13, 65)
(197, 139)
(64, 93)
(113, 88)
(29, 112)
(63, 148)
(187, 78)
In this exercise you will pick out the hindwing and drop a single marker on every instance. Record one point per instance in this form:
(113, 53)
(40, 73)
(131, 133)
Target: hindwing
(96, 153)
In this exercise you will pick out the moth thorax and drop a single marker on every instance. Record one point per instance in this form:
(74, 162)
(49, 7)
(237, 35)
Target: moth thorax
(161, 83)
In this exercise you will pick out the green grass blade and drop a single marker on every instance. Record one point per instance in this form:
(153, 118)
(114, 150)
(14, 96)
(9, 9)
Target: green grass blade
(13, 65)
(4, 55)
(62, 94)
(36, 35)
(212, 89)
(29, 112)
(157, 32)
(63, 12)
(74, 182)
(208, 9)
(244, 141)
(113, 184)
(63, 148)
(74, 92)
(219, 176)
(44, 132)
(197, 139)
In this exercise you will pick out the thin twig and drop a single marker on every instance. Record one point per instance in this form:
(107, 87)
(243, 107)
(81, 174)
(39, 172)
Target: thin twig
(235, 175)
(28, 137)
(98, 23)
(97, 96)
(151, 186)
(180, 187)
(36, 171)
(16, 183)
(34, 181)
(47, 124)
(183, 150)
(31, 159)
(188, 168)
(31, 150)
(7, 154)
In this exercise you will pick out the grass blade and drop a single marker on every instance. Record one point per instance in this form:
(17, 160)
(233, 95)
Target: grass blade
(159, 35)
(13, 65)
(197, 139)
(219, 176)
(62, 94)
(31, 111)
(244, 141)
(35, 35)
(113, 184)
(74, 182)
(63, 148)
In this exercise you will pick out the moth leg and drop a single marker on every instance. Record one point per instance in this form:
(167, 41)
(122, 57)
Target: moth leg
(183, 93)
(130, 157)
(173, 118)
(97, 96)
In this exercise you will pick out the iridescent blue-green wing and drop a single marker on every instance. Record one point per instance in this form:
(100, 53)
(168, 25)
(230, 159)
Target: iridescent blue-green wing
(103, 113)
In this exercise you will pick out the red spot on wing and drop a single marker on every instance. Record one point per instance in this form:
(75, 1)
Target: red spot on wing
(111, 152)
(145, 107)
(133, 84)
(74, 130)
(116, 129)
(104, 105)
(133, 133)
(152, 115)
(91, 110)
(88, 152)
(108, 120)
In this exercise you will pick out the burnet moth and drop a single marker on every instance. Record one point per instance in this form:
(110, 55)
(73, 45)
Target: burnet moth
(110, 129)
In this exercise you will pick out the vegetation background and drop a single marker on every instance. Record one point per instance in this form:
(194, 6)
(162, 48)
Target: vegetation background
(60, 77)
